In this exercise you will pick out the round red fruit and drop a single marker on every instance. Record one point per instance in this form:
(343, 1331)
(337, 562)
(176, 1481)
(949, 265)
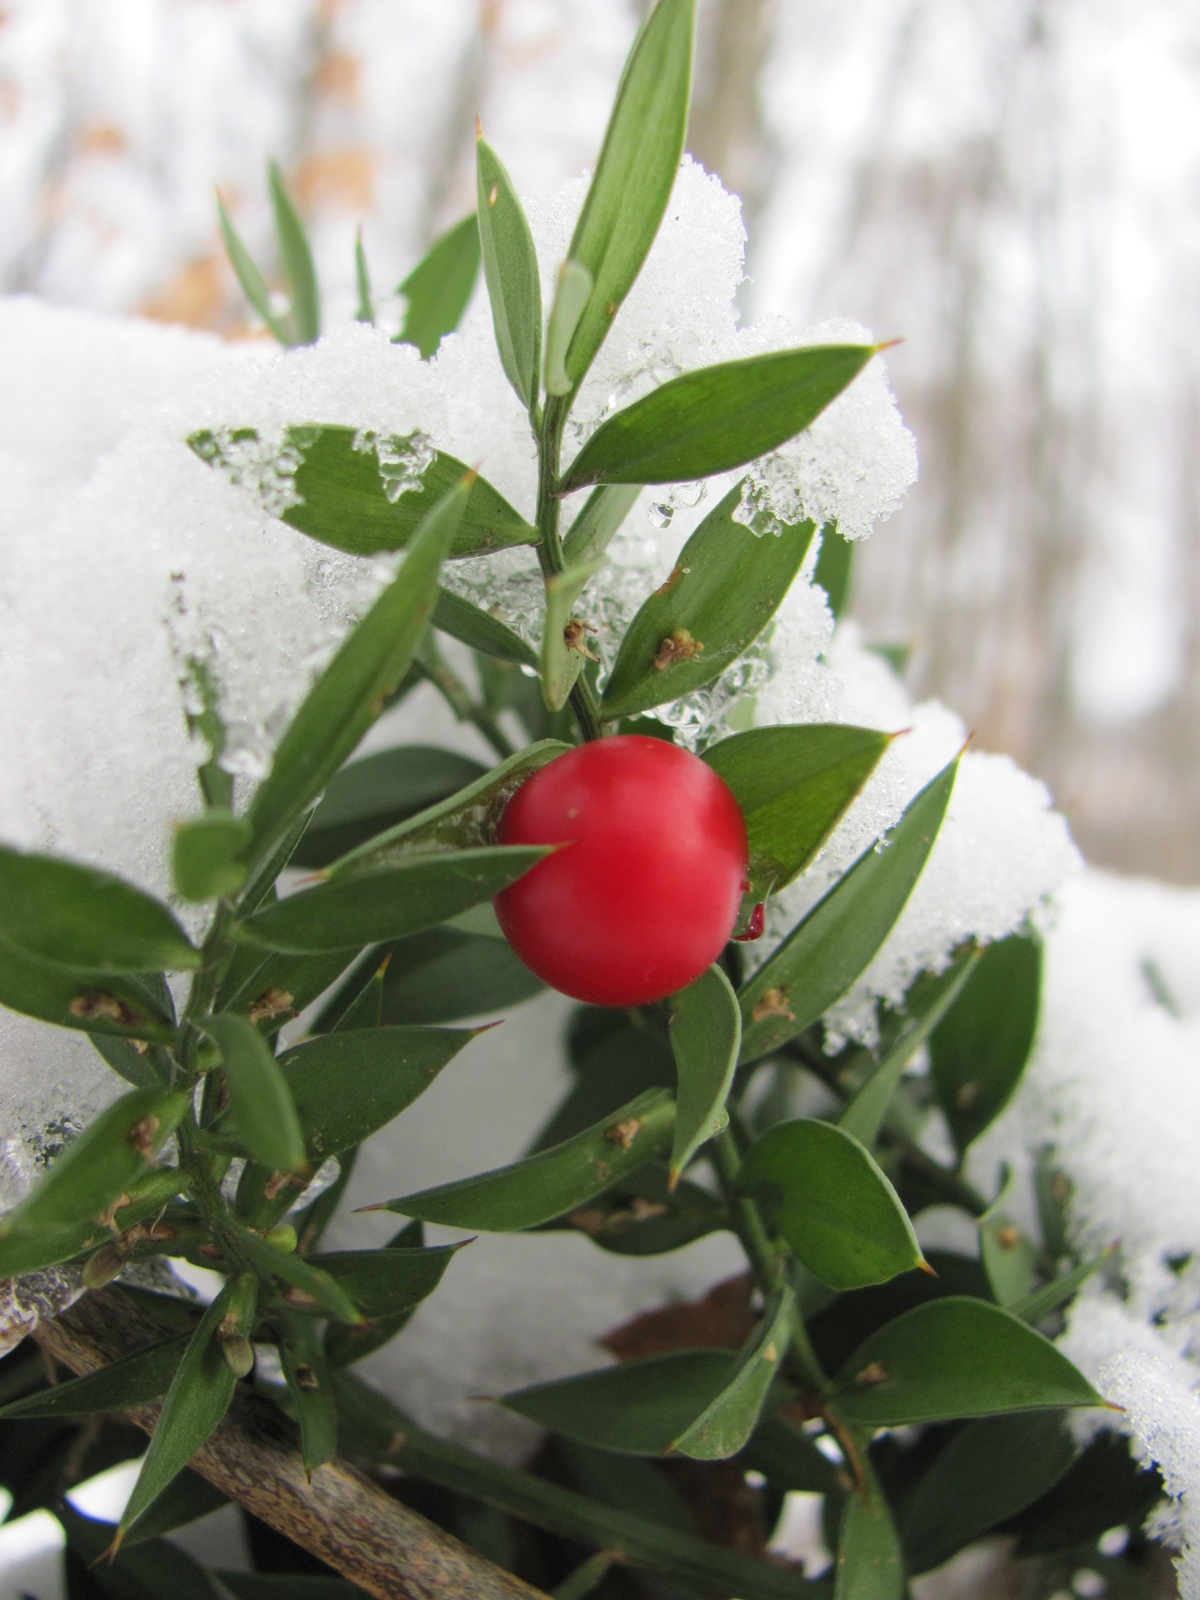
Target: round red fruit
(646, 890)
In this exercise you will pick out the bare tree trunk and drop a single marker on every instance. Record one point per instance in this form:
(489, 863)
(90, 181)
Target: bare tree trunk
(341, 1516)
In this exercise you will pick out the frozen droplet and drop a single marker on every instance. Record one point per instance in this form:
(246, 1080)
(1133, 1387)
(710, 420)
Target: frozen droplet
(689, 494)
(659, 513)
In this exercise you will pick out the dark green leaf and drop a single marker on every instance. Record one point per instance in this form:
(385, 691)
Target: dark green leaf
(955, 1357)
(511, 270)
(198, 1398)
(97, 1166)
(724, 590)
(1105, 1489)
(634, 174)
(478, 628)
(837, 940)
(385, 1283)
(728, 1420)
(604, 510)
(296, 257)
(347, 1085)
(186, 1499)
(788, 1458)
(387, 903)
(27, 1249)
(716, 418)
(561, 660)
(443, 975)
(641, 1216)
(926, 1002)
(144, 1069)
(365, 310)
(834, 566)
(990, 1470)
(280, 986)
(439, 287)
(343, 1345)
(311, 1389)
(119, 1005)
(254, 285)
(1010, 1259)
(346, 698)
(310, 1289)
(869, 1564)
(69, 915)
(793, 785)
(132, 1381)
(635, 1408)
(375, 793)
(706, 1030)
(204, 861)
(464, 821)
(831, 1203)
(155, 1570)
(1041, 1302)
(979, 1050)
(556, 1181)
(259, 1096)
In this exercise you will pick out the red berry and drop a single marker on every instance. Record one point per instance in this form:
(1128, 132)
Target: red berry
(647, 891)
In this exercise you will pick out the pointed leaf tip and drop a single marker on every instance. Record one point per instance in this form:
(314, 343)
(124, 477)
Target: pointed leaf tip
(888, 344)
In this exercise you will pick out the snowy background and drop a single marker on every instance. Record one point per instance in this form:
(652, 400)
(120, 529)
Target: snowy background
(1011, 185)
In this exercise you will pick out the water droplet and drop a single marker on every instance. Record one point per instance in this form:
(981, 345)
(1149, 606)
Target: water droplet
(689, 494)
(659, 514)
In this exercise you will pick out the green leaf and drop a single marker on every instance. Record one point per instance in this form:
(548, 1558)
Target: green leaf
(641, 1216)
(635, 172)
(834, 566)
(443, 975)
(788, 1458)
(511, 270)
(727, 1422)
(186, 1499)
(473, 626)
(838, 939)
(604, 510)
(155, 1570)
(365, 310)
(1010, 1260)
(561, 660)
(276, 989)
(296, 256)
(93, 1002)
(377, 791)
(955, 1357)
(463, 821)
(346, 698)
(346, 1086)
(388, 1282)
(636, 1408)
(555, 1181)
(388, 902)
(132, 1381)
(571, 291)
(869, 1564)
(97, 1166)
(979, 1050)
(343, 1345)
(706, 1030)
(68, 915)
(204, 860)
(831, 1203)
(309, 1289)
(198, 1398)
(1041, 1302)
(254, 285)
(259, 1095)
(716, 418)
(311, 1389)
(990, 1470)
(439, 287)
(793, 784)
(926, 1002)
(28, 1249)
(724, 590)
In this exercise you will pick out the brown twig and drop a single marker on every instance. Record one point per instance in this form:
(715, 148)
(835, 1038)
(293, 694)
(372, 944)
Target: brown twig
(341, 1516)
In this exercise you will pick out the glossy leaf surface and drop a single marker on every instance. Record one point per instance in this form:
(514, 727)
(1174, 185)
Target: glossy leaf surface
(65, 914)
(837, 940)
(716, 418)
(832, 1204)
(259, 1095)
(511, 270)
(706, 1030)
(727, 1422)
(439, 287)
(978, 1052)
(635, 173)
(555, 1181)
(724, 590)
(636, 1408)
(793, 785)
(955, 1357)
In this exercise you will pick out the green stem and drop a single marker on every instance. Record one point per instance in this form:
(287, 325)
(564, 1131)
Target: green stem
(550, 553)
(458, 697)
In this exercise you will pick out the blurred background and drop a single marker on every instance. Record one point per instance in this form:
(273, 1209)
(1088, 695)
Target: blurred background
(1011, 185)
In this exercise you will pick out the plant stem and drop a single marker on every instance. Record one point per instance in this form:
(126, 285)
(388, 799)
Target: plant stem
(550, 554)
(458, 697)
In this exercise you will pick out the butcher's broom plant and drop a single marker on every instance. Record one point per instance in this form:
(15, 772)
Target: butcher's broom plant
(922, 1398)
